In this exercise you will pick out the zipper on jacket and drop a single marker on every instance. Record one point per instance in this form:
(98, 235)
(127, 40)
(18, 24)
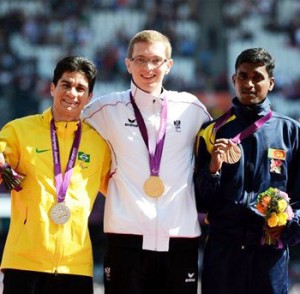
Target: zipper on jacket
(58, 248)
(156, 226)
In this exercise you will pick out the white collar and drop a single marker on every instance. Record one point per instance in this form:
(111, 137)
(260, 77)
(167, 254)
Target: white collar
(145, 100)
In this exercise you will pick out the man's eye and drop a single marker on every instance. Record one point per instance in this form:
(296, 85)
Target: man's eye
(258, 79)
(140, 60)
(156, 61)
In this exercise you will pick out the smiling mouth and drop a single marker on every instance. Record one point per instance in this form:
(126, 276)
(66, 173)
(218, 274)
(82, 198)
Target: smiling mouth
(148, 77)
(70, 103)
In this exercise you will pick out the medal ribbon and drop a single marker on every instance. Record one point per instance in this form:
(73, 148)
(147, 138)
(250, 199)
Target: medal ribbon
(154, 156)
(247, 132)
(62, 182)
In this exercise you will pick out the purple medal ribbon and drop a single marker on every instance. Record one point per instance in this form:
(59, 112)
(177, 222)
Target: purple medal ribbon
(247, 132)
(154, 156)
(62, 182)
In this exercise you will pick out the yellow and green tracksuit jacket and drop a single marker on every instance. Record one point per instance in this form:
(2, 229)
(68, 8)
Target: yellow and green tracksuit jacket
(34, 242)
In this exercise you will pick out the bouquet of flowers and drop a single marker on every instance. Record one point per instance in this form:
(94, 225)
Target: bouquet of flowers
(273, 204)
(11, 178)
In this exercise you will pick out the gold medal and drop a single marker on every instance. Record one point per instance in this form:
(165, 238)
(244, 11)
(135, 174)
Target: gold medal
(232, 154)
(154, 187)
(60, 213)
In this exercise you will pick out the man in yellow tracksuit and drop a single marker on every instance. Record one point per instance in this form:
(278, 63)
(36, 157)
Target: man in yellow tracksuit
(65, 163)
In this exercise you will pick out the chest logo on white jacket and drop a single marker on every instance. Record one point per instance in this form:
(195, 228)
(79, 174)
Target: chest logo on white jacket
(177, 124)
(131, 123)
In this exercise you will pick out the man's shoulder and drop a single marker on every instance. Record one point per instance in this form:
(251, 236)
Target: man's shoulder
(22, 121)
(207, 127)
(90, 132)
(111, 98)
(181, 96)
(185, 98)
(101, 102)
(286, 118)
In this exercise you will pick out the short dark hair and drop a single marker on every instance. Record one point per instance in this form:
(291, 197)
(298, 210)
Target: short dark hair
(257, 55)
(76, 64)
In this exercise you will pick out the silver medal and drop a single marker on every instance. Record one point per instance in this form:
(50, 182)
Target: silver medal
(60, 213)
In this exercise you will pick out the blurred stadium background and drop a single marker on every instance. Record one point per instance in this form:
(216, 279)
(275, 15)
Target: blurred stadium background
(207, 36)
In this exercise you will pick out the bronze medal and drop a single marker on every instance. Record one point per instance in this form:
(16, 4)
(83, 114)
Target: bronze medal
(232, 154)
(60, 213)
(154, 187)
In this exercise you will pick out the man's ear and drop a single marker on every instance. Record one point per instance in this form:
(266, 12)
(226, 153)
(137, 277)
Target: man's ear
(170, 63)
(52, 87)
(233, 77)
(128, 64)
(272, 84)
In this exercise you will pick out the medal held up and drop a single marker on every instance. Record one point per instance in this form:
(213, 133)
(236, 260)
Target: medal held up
(232, 152)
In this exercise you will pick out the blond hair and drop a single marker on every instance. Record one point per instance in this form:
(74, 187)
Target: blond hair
(150, 36)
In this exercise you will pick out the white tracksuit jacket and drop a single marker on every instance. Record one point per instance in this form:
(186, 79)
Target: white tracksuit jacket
(128, 210)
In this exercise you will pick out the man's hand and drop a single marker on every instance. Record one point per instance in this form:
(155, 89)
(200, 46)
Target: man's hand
(217, 156)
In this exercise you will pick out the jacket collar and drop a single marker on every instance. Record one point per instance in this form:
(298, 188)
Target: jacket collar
(145, 100)
(253, 112)
(62, 127)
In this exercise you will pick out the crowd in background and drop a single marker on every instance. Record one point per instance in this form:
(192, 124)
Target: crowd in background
(67, 24)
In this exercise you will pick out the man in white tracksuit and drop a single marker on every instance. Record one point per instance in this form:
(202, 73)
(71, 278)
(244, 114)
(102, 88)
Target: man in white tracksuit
(150, 214)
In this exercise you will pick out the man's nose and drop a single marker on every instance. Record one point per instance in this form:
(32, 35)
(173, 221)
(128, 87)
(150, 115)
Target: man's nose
(249, 83)
(73, 92)
(149, 64)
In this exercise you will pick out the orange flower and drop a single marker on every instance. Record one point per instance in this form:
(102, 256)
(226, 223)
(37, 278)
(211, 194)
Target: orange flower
(261, 208)
(263, 204)
(266, 200)
(273, 220)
